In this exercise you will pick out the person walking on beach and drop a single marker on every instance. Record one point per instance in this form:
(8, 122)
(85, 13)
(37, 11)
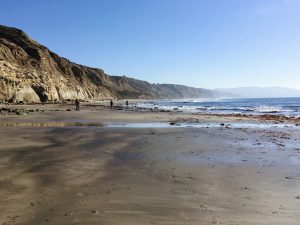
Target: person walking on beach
(111, 103)
(127, 103)
(77, 104)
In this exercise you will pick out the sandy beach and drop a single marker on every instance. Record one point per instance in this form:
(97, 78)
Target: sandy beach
(88, 167)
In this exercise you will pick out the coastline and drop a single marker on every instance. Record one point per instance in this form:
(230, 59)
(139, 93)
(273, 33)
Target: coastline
(67, 167)
(164, 115)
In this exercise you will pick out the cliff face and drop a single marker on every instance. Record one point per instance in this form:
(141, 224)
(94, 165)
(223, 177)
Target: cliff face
(31, 72)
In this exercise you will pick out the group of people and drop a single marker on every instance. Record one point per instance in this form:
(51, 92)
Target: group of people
(77, 104)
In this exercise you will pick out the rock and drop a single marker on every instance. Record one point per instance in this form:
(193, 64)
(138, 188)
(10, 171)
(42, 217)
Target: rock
(94, 211)
(292, 178)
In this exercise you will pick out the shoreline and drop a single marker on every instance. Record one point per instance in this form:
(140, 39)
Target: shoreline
(183, 117)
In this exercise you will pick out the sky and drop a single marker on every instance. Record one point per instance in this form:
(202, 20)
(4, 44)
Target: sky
(200, 43)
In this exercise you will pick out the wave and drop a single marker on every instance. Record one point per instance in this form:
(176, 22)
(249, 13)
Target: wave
(246, 107)
(268, 109)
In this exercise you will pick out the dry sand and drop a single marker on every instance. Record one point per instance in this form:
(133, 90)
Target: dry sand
(54, 171)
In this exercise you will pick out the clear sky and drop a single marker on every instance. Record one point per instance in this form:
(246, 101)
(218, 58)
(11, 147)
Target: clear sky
(201, 43)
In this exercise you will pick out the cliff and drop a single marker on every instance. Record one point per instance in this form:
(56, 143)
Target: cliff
(31, 72)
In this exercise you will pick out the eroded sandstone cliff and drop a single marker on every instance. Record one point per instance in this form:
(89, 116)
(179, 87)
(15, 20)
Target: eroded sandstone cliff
(31, 72)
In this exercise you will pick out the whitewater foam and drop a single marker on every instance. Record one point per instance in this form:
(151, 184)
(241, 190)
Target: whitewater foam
(285, 106)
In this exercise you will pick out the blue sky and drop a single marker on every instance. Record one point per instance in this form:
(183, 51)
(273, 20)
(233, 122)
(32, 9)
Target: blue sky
(201, 43)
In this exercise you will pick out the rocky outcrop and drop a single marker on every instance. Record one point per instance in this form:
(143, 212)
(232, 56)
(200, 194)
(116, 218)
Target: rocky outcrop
(31, 72)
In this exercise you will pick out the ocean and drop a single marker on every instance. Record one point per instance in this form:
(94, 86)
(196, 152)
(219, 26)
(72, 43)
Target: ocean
(254, 106)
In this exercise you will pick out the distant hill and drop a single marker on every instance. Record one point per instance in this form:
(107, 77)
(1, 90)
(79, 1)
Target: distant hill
(31, 72)
(225, 94)
(262, 92)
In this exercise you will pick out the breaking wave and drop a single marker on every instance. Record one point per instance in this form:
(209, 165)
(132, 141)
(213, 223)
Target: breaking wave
(286, 106)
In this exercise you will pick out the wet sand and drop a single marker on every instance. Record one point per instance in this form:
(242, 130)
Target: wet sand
(61, 167)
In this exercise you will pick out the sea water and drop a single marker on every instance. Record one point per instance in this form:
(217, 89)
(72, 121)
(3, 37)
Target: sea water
(257, 106)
